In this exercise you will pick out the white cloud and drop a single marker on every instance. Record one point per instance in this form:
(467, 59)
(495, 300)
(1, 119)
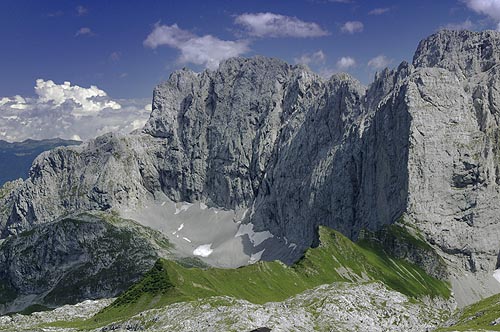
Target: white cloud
(206, 50)
(465, 25)
(138, 124)
(84, 32)
(4, 101)
(311, 58)
(379, 62)
(68, 111)
(378, 11)
(84, 100)
(209, 51)
(17, 102)
(352, 27)
(167, 35)
(327, 72)
(489, 8)
(56, 14)
(346, 63)
(82, 11)
(115, 56)
(275, 25)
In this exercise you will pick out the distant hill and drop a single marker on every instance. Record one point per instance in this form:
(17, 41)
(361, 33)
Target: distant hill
(16, 157)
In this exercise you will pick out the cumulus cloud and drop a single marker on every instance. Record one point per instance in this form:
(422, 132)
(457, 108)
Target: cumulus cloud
(85, 31)
(490, 8)
(379, 62)
(205, 50)
(346, 63)
(84, 100)
(378, 11)
(68, 111)
(352, 27)
(275, 25)
(465, 25)
(311, 58)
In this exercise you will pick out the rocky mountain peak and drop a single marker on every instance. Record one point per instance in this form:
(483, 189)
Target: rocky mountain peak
(464, 52)
(289, 151)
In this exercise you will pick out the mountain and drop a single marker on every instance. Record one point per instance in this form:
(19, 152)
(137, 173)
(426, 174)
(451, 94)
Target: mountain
(244, 163)
(352, 286)
(86, 256)
(347, 269)
(16, 158)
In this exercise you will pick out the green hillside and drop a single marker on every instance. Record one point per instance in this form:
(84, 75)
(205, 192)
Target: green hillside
(480, 316)
(336, 259)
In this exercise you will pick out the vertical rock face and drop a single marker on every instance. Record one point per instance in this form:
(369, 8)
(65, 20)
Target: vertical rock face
(454, 163)
(344, 167)
(454, 147)
(220, 128)
(299, 151)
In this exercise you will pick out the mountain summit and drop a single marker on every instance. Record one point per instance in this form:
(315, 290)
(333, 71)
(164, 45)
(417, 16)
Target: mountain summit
(285, 151)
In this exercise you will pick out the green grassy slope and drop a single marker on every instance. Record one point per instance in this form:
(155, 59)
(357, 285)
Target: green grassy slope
(335, 259)
(480, 316)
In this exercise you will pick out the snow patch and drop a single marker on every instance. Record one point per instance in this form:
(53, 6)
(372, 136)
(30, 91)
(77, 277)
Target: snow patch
(244, 229)
(184, 207)
(178, 230)
(203, 206)
(255, 237)
(186, 239)
(204, 250)
(496, 275)
(244, 214)
(256, 257)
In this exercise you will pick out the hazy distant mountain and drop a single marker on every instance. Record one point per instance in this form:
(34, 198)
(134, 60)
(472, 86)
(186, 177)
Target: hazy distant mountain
(16, 158)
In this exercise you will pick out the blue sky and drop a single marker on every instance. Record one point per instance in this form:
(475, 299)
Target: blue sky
(124, 48)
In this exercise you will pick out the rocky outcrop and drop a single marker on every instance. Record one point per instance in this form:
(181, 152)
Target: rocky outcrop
(342, 306)
(299, 151)
(256, 133)
(80, 311)
(76, 258)
(453, 154)
(402, 241)
(17, 157)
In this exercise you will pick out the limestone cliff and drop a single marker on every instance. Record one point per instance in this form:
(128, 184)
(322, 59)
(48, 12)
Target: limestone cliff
(299, 151)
